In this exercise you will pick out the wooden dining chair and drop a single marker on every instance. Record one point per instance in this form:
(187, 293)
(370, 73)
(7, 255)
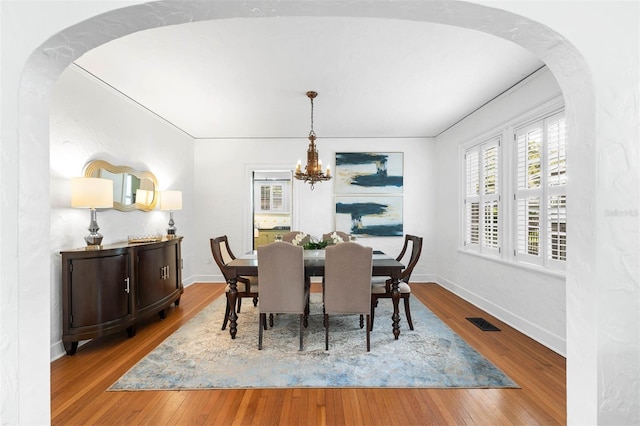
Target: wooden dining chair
(290, 236)
(381, 286)
(347, 284)
(247, 286)
(283, 288)
(343, 235)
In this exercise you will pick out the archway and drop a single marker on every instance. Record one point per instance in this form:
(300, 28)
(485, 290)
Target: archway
(44, 68)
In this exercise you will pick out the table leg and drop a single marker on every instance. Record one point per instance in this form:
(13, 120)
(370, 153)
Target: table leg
(233, 316)
(395, 297)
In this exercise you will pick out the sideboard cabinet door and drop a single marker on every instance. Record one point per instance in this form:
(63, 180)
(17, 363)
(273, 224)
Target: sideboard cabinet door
(159, 278)
(99, 290)
(97, 296)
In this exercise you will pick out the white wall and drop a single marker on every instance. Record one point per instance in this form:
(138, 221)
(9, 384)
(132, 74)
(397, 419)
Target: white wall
(89, 120)
(223, 193)
(592, 50)
(530, 301)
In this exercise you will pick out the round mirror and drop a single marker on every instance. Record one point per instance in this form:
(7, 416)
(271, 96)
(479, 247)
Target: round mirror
(132, 189)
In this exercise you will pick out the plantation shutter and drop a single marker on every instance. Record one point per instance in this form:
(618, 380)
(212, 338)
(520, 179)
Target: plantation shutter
(472, 199)
(490, 196)
(540, 195)
(482, 178)
(529, 191)
(557, 192)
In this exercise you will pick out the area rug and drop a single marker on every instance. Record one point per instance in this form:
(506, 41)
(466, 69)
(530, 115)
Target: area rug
(201, 356)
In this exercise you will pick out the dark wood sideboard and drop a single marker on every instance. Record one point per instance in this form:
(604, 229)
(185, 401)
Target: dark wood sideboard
(110, 289)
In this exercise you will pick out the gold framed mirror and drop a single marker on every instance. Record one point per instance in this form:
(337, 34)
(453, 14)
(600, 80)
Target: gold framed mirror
(132, 189)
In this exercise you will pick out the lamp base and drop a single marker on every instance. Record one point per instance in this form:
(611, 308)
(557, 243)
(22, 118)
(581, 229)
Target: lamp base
(94, 238)
(171, 230)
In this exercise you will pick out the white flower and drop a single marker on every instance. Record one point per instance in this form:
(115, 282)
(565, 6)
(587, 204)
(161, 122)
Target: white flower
(298, 238)
(335, 238)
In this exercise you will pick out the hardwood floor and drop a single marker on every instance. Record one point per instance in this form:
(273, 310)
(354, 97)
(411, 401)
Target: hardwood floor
(79, 382)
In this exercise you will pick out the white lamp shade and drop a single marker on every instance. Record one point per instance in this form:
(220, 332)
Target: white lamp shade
(171, 200)
(91, 193)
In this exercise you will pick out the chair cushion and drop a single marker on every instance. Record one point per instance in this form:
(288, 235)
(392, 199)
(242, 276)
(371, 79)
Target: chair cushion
(253, 285)
(381, 288)
(378, 280)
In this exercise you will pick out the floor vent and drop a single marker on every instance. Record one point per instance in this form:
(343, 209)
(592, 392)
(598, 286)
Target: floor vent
(483, 324)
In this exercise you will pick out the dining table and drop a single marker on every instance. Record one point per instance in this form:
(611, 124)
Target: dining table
(247, 265)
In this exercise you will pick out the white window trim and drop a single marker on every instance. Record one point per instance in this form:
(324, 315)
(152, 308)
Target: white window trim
(507, 216)
(543, 193)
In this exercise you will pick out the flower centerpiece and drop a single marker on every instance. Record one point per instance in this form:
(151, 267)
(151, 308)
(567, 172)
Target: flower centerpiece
(309, 242)
(316, 245)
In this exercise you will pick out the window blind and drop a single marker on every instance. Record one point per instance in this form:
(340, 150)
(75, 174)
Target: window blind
(540, 196)
(482, 186)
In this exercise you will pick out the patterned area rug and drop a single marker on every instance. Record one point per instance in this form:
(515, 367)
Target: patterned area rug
(201, 356)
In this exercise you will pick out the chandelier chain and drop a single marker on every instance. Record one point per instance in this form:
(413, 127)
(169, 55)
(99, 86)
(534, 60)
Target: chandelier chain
(312, 132)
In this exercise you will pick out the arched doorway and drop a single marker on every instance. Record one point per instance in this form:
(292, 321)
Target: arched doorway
(559, 55)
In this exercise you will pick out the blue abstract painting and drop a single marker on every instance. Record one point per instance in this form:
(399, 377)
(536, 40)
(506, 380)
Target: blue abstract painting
(371, 216)
(369, 172)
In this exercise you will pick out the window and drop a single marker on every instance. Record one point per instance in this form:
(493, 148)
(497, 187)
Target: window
(531, 174)
(540, 195)
(272, 197)
(482, 197)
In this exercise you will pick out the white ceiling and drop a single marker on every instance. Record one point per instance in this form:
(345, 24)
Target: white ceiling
(248, 77)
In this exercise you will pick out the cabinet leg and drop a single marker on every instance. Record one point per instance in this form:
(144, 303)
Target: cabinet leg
(162, 314)
(177, 302)
(70, 347)
(131, 331)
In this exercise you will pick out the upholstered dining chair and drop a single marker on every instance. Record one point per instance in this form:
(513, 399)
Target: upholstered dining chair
(283, 288)
(290, 236)
(247, 286)
(381, 286)
(343, 235)
(347, 283)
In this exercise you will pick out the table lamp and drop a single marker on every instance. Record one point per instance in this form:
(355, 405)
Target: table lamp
(92, 193)
(171, 201)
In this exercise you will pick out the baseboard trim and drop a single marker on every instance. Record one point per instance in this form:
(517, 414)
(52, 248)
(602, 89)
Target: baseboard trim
(540, 335)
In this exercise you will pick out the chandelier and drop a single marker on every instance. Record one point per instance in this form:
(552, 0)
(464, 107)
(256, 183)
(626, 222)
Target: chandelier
(313, 169)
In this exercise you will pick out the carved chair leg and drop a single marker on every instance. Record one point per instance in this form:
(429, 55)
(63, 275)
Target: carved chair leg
(255, 301)
(361, 320)
(239, 305)
(271, 320)
(227, 309)
(407, 311)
